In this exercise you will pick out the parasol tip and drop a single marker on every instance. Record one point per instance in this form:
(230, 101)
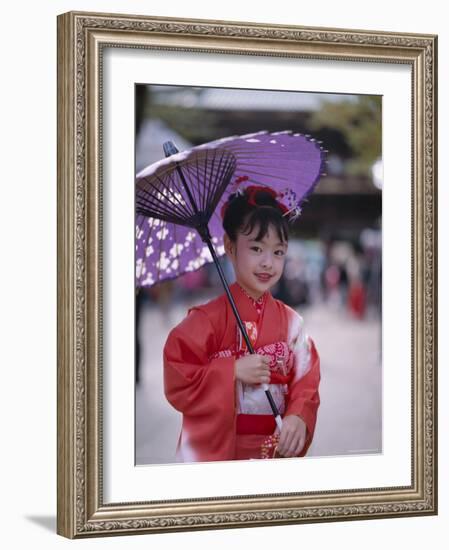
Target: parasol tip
(170, 148)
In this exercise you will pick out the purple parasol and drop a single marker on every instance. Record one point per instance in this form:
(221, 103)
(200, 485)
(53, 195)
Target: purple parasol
(167, 244)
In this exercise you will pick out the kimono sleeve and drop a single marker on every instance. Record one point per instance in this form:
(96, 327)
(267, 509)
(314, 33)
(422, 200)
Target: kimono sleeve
(193, 384)
(303, 394)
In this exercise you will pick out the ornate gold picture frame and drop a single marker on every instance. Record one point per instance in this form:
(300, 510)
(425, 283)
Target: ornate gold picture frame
(83, 39)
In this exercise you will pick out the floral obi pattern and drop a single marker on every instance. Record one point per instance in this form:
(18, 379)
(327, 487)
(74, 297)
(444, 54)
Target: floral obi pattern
(251, 399)
(281, 360)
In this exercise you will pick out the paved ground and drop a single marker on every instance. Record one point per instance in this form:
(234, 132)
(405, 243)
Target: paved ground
(350, 414)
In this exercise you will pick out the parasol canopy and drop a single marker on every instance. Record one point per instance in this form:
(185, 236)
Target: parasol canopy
(168, 243)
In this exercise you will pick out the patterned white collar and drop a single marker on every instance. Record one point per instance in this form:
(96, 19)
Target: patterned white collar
(259, 300)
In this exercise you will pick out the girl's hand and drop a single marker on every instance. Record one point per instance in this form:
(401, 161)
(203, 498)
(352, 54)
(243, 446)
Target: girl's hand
(253, 369)
(292, 437)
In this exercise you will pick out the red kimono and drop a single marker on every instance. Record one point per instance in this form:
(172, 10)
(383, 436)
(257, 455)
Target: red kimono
(223, 418)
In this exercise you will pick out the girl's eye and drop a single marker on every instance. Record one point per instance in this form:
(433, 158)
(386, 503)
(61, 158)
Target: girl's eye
(256, 248)
(279, 252)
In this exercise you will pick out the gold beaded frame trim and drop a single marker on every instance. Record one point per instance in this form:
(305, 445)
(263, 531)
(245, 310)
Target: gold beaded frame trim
(81, 39)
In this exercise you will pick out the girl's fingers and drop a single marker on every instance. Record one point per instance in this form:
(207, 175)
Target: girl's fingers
(295, 448)
(263, 375)
(291, 444)
(285, 442)
(300, 446)
(292, 450)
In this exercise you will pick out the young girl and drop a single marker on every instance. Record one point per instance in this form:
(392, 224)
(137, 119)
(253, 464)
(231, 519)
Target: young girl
(209, 375)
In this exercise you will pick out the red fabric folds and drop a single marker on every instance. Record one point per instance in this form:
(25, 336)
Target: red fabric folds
(204, 389)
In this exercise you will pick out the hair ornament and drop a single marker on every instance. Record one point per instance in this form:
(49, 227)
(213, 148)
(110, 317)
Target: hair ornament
(293, 213)
(251, 192)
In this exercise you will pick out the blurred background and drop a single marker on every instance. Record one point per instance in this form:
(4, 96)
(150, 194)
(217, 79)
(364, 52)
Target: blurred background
(333, 269)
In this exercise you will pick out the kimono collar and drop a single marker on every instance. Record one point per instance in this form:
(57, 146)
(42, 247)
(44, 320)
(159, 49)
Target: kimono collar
(247, 306)
(256, 303)
(271, 325)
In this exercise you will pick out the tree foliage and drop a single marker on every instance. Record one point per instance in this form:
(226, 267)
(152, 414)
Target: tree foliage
(360, 122)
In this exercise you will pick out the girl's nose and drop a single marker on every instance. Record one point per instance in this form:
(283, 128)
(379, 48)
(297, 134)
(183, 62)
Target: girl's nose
(266, 261)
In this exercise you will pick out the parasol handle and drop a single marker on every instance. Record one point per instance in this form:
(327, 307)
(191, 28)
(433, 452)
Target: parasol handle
(205, 235)
(171, 149)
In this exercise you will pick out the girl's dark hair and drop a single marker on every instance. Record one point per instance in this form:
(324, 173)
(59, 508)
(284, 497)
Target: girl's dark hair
(241, 216)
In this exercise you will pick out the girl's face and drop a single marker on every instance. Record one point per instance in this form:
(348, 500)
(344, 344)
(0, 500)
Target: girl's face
(258, 265)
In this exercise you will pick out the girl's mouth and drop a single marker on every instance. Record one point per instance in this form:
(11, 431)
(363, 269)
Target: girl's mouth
(263, 277)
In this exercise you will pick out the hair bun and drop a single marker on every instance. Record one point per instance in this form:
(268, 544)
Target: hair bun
(265, 195)
(256, 196)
